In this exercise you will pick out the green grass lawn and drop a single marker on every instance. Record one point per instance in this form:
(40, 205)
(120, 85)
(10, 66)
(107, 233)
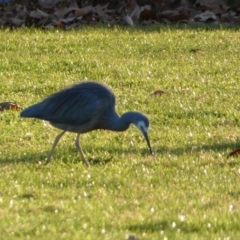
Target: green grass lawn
(189, 189)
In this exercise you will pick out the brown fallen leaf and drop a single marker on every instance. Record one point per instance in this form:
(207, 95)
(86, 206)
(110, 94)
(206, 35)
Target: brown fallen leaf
(64, 13)
(215, 6)
(234, 153)
(9, 106)
(83, 11)
(17, 22)
(180, 14)
(158, 92)
(230, 17)
(147, 14)
(38, 14)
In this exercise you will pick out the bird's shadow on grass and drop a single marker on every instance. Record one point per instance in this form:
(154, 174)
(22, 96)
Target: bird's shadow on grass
(194, 148)
(36, 157)
(163, 225)
(33, 157)
(41, 159)
(75, 158)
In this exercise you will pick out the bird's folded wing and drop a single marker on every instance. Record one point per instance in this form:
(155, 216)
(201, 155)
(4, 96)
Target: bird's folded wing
(72, 115)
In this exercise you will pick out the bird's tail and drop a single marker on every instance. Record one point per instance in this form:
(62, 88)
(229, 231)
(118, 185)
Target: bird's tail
(32, 111)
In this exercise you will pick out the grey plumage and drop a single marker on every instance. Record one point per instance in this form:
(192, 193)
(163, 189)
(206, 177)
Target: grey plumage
(84, 107)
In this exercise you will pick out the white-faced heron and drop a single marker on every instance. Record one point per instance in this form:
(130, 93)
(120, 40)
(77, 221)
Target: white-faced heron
(84, 107)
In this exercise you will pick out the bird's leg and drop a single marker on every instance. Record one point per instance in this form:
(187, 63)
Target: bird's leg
(54, 145)
(80, 150)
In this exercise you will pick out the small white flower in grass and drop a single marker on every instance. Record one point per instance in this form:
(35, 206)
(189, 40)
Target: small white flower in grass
(28, 134)
(136, 202)
(152, 210)
(131, 143)
(11, 202)
(182, 218)
(103, 231)
(85, 194)
(1, 200)
(85, 226)
(209, 225)
(56, 211)
(190, 134)
(174, 224)
(88, 176)
(165, 238)
(205, 171)
(230, 208)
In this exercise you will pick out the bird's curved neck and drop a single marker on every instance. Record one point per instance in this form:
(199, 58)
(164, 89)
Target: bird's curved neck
(120, 123)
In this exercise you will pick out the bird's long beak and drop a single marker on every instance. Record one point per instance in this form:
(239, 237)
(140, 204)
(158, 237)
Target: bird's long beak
(145, 134)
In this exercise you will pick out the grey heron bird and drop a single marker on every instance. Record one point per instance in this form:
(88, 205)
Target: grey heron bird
(84, 107)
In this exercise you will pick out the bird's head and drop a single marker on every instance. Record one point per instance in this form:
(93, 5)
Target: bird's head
(141, 121)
